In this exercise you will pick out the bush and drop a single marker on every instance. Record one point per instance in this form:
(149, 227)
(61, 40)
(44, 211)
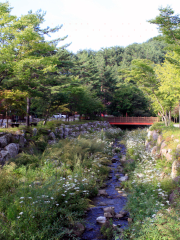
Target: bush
(107, 230)
(43, 195)
(26, 159)
(113, 133)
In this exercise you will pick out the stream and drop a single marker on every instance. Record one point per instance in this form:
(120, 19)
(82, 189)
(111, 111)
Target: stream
(113, 199)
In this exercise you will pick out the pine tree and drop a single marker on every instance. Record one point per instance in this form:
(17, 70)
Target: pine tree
(25, 56)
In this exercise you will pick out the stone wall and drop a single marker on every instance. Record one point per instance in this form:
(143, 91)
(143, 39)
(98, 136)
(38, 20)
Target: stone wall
(158, 146)
(71, 131)
(10, 144)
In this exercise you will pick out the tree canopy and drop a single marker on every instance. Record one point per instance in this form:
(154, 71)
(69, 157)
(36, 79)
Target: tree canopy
(87, 82)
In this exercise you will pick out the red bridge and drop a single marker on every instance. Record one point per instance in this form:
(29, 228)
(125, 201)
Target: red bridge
(132, 120)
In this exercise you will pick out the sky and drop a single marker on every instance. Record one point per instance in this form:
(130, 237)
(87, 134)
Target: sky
(96, 24)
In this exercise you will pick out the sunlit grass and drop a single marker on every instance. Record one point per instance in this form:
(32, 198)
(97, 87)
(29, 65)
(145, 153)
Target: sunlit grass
(42, 196)
(148, 199)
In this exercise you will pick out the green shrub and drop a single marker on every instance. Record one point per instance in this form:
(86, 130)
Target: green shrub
(43, 195)
(113, 133)
(8, 179)
(40, 146)
(27, 160)
(54, 123)
(107, 230)
(42, 131)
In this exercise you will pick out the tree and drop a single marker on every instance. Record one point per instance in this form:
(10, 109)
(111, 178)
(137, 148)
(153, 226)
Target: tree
(26, 56)
(169, 26)
(82, 99)
(169, 74)
(13, 102)
(143, 74)
(128, 98)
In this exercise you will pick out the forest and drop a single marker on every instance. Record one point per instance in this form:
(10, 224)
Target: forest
(51, 174)
(39, 78)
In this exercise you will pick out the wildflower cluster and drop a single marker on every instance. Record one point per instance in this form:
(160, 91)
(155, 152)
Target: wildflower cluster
(113, 133)
(149, 196)
(58, 189)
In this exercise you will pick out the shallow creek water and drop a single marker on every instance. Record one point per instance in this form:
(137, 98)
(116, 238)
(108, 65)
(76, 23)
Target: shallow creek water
(113, 199)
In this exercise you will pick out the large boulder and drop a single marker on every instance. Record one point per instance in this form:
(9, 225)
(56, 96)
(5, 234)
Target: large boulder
(175, 194)
(22, 141)
(154, 150)
(163, 152)
(155, 135)
(52, 136)
(78, 229)
(169, 157)
(109, 210)
(175, 169)
(159, 140)
(124, 178)
(102, 192)
(4, 156)
(15, 138)
(101, 219)
(149, 135)
(148, 145)
(163, 145)
(13, 149)
(108, 215)
(4, 140)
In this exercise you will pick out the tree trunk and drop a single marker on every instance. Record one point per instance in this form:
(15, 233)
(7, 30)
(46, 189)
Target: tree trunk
(6, 118)
(166, 120)
(179, 113)
(28, 112)
(170, 115)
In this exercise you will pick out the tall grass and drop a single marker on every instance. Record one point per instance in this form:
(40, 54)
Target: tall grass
(148, 199)
(42, 196)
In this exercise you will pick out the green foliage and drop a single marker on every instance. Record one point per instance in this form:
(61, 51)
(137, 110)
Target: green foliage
(27, 160)
(83, 99)
(148, 192)
(42, 196)
(168, 25)
(13, 101)
(128, 98)
(52, 124)
(152, 50)
(107, 230)
(8, 179)
(113, 133)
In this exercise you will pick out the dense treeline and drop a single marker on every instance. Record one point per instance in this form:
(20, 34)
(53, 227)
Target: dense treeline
(89, 82)
(98, 73)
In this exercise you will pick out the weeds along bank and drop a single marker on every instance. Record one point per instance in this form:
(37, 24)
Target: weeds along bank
(45, 196)
(16, 141)
(153, 199)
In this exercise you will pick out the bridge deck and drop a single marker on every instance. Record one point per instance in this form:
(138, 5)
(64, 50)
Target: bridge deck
(132, 120)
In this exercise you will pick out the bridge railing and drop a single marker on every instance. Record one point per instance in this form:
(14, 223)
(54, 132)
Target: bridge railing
(133, 119)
